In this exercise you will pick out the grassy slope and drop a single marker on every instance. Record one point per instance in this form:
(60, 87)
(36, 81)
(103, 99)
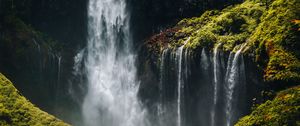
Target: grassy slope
(284, 110)
(16, 110)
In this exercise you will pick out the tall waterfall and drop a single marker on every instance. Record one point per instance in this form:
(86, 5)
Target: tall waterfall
(111, 99)
(216, 82)
(180, 81)
(233, 77)
(201, 89)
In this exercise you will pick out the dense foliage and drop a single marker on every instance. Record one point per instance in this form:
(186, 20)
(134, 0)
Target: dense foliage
(270, 32)
(284, 110)
(16, 110)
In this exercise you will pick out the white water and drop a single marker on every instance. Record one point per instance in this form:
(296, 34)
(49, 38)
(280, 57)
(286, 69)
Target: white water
(162, 72)
(231, 79)
(179, 55)
(111, 99)
(59, 57)
(204, 60)
(215, 82)
(59, 68)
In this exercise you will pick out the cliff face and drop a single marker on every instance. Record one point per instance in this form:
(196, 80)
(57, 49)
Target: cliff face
(35, 62)
(270, 33)
(28, 57)
(266, 33)
(16, 110)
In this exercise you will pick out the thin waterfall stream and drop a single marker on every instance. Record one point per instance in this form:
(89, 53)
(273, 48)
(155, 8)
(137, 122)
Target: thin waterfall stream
(220, 87)
(215, 82)
(232, 79)
(179, 57)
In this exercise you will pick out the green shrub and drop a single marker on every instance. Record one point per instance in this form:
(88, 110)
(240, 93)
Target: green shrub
(284, 110)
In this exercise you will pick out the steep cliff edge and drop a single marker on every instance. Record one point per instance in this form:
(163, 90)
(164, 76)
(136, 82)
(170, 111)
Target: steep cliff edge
(16, 110)
(266, 34)
(270, 33)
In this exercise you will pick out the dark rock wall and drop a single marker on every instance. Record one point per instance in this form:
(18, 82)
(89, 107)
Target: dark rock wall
(198, 89)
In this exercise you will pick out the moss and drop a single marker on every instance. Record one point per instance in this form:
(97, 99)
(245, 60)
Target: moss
(16, 110)
(231, 26)
(284, 110)
(271, 33)
(276, 42)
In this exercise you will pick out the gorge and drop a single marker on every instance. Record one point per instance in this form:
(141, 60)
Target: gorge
(128, 63)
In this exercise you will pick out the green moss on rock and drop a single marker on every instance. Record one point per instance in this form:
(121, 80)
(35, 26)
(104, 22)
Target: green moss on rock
(16, 110)
(270, 32)
(284, 110)
(277, 43)
(231, 26)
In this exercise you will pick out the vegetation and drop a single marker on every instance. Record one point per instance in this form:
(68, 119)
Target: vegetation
(276, 42)
(16, 110)
(284, 110)
(269, 28)
(21, 36)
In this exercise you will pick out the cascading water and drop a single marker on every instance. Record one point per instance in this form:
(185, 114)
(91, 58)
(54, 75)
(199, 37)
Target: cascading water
(179, 55)
(162, 71)
(160, 106)
(58, 57)
(216, 73)
(204, 60)
(232, 79)
(59, 68)
(111, 99)
(205, 94)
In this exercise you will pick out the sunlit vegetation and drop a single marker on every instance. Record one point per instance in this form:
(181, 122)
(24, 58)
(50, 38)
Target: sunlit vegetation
(16, 110)
(283, 110)
(269, 28)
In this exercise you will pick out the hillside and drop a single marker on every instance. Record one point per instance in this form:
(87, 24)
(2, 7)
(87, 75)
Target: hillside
(16, 110)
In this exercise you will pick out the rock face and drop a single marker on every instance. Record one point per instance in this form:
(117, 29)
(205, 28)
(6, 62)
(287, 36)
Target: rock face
(267, 37)
(177, 67)
(16, 110)
(37, 64)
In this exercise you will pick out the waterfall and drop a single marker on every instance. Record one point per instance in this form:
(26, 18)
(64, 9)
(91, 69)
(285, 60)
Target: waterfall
(162, 76)
(215, 97)
(204, 60)
(111, 98)
(232, 78)
(56, 86)
(179, 55)
(215, 82)
(58, 68)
